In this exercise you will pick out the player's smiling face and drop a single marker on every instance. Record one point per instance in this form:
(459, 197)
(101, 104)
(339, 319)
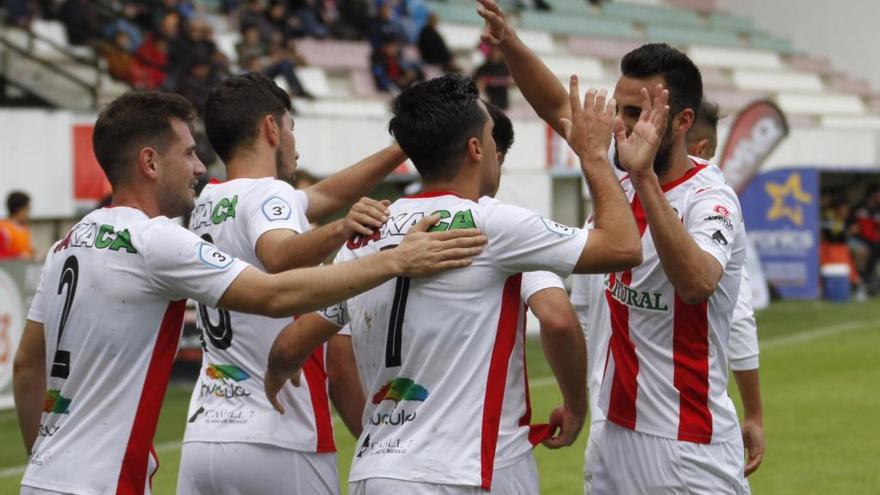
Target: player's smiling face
(179, 170)
(286, 155)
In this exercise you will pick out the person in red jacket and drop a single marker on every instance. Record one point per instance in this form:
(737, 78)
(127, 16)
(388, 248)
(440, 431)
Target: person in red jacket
(865, 243)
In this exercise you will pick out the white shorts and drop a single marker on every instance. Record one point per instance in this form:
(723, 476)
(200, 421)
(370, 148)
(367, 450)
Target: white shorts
(591, 453)
(253, 469)
(520, 478)
(636, 463)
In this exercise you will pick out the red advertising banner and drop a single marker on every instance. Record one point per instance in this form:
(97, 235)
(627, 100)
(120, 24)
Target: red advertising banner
(89, 182)
(755, 133)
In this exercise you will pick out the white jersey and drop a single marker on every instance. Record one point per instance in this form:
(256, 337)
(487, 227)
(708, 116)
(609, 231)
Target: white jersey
(228, 403)
(442, 357)
(111, 300)
(667, 368)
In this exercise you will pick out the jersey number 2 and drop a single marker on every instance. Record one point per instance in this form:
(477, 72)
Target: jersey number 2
(220, 334)
(394, 344)
(69, 278)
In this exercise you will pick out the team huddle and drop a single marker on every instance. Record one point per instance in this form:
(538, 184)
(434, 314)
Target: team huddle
(416, 332)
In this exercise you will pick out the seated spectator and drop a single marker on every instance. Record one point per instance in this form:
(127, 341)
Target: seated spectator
(310, 17)
(356, 13)
(835, 226)
(288, 25)
(391, 71)
(197, 82)
(151, 63)
(432, 47)
(254, 15)
(119, 57)
(127, 21)
(865, 243)
(80, 22)
(271, 59)
(385, 26)
(493, 79)
(15, 236)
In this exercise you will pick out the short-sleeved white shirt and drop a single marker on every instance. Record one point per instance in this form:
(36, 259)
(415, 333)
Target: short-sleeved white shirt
(111, 301)
(228, 403)
(442, 357)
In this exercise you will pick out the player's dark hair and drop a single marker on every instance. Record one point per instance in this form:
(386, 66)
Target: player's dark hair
(433, 121)
(706, 123)
(235, 108)
(132, 121)
(502, 132)
(681, 77)
(16, 200)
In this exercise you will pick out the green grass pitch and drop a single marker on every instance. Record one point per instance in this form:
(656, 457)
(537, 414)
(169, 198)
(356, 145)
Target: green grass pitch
(820, 370)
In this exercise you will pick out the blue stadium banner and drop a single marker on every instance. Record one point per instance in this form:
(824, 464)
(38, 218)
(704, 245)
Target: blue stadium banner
(781, 211)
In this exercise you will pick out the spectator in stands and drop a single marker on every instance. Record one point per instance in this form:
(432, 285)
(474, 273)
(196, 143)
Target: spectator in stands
(198, 45)
(311, 17)
(80, 22)
(151, 63)
(386, 26)
(126, 21)
(254, 15)
(356, 13)
(120, 60)
(432, 46)
(19, 12)
(289, 26)
(15, 236)
(493, 78)
(391, 71)
(197, 82)
(271, 59)
(865, 243)
(835, 226)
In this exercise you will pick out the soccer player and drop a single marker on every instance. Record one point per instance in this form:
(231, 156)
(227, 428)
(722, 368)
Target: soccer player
(702, 141)
(671, 426)
(234, 441)
(442, 359)
(95, 357)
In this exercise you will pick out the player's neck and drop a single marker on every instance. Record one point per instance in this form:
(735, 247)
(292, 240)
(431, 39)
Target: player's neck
(250, 166)
(133, 198)
(459, 188)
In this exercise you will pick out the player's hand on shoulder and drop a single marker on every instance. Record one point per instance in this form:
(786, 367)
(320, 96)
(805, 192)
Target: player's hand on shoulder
(566, 424)
(497, 29)
(588, 132)
(273, 382)
(423, 253)
(638, 149)
(366, 216)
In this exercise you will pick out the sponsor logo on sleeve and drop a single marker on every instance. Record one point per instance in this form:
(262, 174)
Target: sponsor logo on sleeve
(719, 238)
(213, 257)
(335, 314)
(276, 208)
(557, 228)
(721, 210)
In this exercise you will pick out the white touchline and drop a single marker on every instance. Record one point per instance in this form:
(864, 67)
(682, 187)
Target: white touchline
(543, 381)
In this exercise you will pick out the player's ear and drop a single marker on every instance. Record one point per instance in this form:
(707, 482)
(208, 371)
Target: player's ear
(474, 149)
(148, 162)
(683, 121)
(271, 129)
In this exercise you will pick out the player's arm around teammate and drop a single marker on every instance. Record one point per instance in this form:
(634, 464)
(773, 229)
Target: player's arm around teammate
(346, 390)
(565, 350)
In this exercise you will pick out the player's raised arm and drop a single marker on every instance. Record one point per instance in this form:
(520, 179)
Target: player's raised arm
(692, 271)
(29, 382)
(299, 291)
(346, 186)
(537, 82)
(614, 243)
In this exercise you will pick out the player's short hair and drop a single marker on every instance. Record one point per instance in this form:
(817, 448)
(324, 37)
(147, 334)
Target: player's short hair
(235, 108)
(433, 121)
(706, 123)
(132, 121)
(680, 75)
(16, 200)
(502, 132)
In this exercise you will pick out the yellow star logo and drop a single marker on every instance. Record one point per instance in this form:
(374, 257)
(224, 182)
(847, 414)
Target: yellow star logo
(779, 192)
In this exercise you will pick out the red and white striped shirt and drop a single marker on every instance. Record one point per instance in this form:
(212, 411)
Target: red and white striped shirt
(666, 370)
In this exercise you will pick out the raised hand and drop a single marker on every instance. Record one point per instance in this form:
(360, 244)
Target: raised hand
(638, 150)
(497, 30)
(588, 132)
(366, 216)
(423, 253)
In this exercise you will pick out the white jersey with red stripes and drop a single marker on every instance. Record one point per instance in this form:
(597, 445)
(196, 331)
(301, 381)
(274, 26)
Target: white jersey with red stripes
(442, 357)
(228, 403)
(111, 300)
(667, 367)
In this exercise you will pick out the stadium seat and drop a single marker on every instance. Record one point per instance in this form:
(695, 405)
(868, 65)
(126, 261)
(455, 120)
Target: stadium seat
(456, 12)
(704, 6)
(710, 56)
(314, 80)
(611, 50)
(586, 26)
(821, 104)
(868, 123)
(730, 22)
(362, 84)
(369, 109)
(460, 37)
(845, 84)
(767, 42)
(335, 55)
(680, 36)
(714, 77)
(563, 66)
(226, 41)
(644, 14)
(753, 79)
(809, 63)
